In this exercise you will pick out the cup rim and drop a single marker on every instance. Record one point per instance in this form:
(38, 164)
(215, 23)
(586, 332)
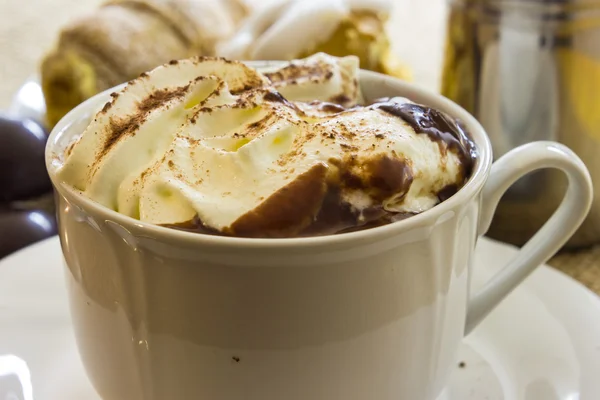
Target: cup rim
(397, 87)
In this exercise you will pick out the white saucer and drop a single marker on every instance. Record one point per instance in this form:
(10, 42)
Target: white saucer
(541, 343)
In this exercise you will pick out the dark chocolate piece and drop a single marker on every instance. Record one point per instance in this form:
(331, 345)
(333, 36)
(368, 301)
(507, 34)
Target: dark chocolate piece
(22, 168)
(21, 228)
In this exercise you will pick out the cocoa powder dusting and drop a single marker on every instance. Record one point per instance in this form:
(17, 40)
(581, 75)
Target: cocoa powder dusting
(70, 147)
(159, 97)
(298, 72)
(118, 128)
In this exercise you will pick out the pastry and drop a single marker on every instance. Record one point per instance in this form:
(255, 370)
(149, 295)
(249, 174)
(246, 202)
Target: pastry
(124, 38)
(289, 29)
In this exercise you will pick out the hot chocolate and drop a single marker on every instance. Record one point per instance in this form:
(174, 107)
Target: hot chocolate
(217, 147)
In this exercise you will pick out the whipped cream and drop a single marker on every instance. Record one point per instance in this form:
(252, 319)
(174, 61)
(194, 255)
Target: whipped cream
(244, 153)
(317, 78)
(284, 29)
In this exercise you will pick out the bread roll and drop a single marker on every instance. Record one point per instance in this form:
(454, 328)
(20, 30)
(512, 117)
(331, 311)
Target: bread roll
(124, 38)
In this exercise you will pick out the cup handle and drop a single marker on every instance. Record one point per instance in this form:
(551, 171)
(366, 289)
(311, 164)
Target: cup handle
(550, 238)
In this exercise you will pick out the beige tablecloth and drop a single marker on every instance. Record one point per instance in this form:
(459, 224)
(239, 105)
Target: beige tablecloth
(29, 28)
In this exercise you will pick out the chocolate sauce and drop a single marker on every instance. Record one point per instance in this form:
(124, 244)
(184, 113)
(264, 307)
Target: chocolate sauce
(195, 225)
(438, 126)
(275, 97)
(447, 192)
(289, 210)
(312, 205)
(335, 216)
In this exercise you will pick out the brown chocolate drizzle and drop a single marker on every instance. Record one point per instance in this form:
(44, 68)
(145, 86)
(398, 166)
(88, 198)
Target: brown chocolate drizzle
(438, 126)
(328, 107)
(333, 217)
(341, 99)
(387, 176)
(287, 211)
(195, 226)
(380, 177)
(275, 97)
(312, 204)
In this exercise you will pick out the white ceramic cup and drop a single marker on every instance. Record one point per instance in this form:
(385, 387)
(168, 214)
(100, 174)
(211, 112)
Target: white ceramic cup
(377, 314)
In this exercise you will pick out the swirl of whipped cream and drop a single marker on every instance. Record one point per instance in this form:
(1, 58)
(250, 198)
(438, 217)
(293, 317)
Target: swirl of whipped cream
(284, 29)
(214, 141)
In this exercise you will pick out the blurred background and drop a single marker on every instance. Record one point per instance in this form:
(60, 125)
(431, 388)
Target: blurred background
(30, 29)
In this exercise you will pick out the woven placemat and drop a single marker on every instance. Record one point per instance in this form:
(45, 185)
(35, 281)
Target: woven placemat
(583, 265)
(28, 29)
